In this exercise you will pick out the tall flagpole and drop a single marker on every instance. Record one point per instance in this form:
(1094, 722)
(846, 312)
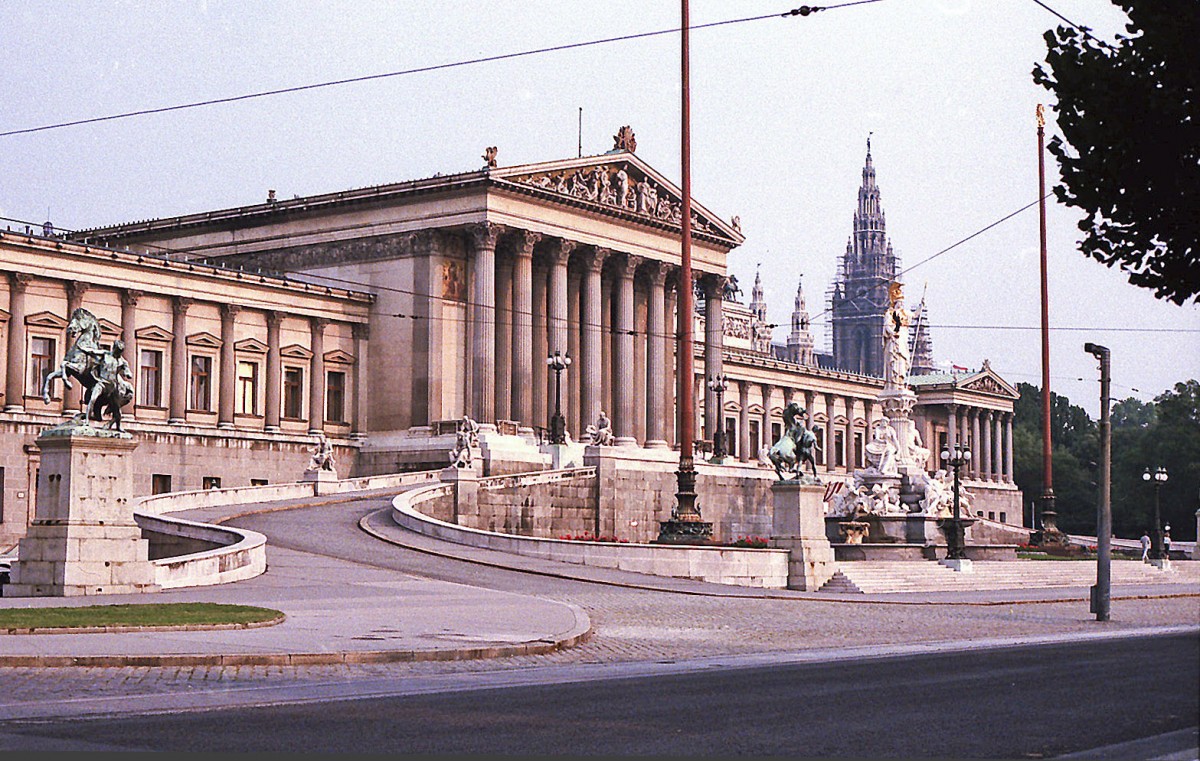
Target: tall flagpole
(685, 525)
(1050, 532)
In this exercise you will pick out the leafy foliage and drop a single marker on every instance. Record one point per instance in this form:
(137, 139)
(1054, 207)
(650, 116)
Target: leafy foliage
(1131, 159)
(1163, 433)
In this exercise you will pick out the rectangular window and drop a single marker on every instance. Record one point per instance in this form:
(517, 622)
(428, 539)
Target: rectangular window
(41, 362)
(819, 434)
(335, 397)
(211, 482)
(258, 482)
(1004, 516)
(839, 448)
(151, 377)
(293, 392)
(201, 383)
(731, 436)
(160, 483)
(776, 431)
(755, 438)
(247, 388)
(858, 450)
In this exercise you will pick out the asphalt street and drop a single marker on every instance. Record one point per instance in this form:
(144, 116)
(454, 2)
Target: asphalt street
(1029, 702)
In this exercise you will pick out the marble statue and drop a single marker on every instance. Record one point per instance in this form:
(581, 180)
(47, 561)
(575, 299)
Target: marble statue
(883, 448)
(897, 357)
(601, 434)
(466, 437)
(795, 446)
(322, 456)
(104, 373)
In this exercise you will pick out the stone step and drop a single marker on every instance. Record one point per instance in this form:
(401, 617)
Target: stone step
(873, 577)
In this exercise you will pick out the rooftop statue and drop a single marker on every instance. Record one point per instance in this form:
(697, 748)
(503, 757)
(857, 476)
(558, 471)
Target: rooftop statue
(795, 446)
(104, 374)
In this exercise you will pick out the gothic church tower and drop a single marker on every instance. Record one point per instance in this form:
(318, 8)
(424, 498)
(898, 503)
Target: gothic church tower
(858, 298)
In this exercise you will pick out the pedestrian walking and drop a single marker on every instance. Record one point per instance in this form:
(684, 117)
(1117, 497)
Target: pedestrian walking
(1167, 541)
(1145, 546)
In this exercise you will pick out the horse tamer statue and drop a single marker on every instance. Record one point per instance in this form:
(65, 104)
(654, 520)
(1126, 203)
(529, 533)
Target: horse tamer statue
(795, 446)
(104, 373)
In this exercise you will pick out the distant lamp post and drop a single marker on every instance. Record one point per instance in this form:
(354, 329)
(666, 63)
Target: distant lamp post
(718, 383)
(956, 547)
(558, 424)
(1157, 477)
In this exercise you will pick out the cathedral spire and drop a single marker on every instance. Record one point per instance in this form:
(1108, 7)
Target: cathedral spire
(758, 304)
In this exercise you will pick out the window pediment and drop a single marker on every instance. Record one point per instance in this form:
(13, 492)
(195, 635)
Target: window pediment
(337, 356)
(295, 351)
(204, 340)
(47, 320)
(153, 333)
(251, 346)
(109, 329)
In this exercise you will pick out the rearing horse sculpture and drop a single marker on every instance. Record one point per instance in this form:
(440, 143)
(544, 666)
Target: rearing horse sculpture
(795, 446)
(104, 374)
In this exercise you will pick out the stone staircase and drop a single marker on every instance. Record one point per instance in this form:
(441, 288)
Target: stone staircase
(883, 576)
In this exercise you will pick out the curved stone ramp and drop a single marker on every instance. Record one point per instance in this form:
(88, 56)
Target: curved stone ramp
(337, 611)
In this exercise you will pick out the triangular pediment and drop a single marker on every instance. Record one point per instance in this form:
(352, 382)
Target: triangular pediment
(251, 346)
(619, 182)
(339, 356)
(153, 333)
(108, 328)
(295, 351)
(204, 340)
(46, 320)
(987, 381)
(3, 316)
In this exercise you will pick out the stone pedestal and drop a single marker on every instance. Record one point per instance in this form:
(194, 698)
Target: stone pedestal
(322, 480)
(466, 489)
(799, 527)
(962, 565)
(83, 539)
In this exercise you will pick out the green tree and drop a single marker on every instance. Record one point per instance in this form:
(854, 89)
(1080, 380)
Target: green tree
(1074, 440)
(1131, 155)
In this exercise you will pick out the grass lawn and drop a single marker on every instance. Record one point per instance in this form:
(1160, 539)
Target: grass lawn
(149, 614)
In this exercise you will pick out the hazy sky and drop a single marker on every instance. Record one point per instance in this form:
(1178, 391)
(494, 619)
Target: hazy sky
(781, 111)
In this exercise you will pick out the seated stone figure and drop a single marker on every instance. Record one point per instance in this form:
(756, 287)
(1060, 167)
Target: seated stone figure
(601, 434)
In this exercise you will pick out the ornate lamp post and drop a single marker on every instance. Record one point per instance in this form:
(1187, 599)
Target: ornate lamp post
(558, 424)
(956, 546)
(1158, 477)
(718, 383)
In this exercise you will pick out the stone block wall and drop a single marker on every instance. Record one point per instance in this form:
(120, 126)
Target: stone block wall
(543, 505)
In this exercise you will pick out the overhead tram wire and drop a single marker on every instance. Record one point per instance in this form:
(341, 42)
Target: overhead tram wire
(1081, 29)
(803, 10)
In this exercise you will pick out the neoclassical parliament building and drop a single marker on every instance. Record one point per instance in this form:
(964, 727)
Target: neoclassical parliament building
(382, 315)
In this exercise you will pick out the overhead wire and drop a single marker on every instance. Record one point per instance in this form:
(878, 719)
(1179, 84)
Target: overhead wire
(801, 11)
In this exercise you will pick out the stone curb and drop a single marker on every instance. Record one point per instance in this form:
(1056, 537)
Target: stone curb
(123, 629)
(578, 634)
(746, 592)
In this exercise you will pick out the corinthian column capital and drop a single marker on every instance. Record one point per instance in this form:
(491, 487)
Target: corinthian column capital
(484, 235)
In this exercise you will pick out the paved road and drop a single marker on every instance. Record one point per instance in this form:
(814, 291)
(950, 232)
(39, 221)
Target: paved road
(1030, 702)
(636, 631)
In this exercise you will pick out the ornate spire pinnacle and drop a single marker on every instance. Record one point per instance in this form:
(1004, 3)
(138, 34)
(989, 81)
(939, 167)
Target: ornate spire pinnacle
(800, 344)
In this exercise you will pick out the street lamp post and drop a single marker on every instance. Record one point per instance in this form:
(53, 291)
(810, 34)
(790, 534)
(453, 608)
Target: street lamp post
(956, 548)
(1102, 591)
(718, 383)
(1158, 477)
(558, 424)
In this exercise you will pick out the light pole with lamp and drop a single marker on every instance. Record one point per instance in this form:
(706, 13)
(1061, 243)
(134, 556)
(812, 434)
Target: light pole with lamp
(558, 424)
(956, 550)
(1101, 596)
(718, 383)
(1158, 477)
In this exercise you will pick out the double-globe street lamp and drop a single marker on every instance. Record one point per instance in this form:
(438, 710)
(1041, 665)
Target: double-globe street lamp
(718, 383)
(956, 546)
(1158, 477)
(558, 424)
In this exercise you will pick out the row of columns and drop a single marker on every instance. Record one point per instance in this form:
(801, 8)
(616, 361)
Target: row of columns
(991, 434)
(180, 370)
(524, 311)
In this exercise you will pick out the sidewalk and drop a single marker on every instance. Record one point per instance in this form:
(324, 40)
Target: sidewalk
(337, 611)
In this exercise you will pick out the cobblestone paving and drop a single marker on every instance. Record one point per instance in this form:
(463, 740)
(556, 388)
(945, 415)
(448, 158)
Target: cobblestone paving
(629, 624)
